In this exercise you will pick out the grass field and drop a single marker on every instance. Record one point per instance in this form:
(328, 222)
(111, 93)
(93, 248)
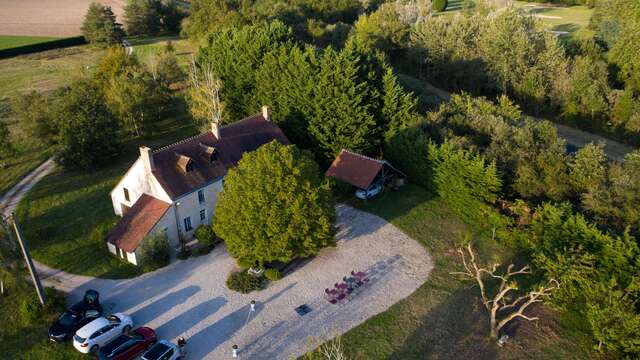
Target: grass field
(11, 41)
(572, 20)
(12, 169)
(443, 319)
(66, 216)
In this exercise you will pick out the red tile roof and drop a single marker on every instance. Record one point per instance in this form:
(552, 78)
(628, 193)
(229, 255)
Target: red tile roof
(235, 139)
(355, 169)
(137, 223)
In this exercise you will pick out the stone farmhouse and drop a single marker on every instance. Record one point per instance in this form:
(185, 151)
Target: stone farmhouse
(174, 189)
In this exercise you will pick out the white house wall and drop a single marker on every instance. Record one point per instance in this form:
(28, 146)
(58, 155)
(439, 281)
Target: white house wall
(189, 205)
(138, 183)
(168, 222)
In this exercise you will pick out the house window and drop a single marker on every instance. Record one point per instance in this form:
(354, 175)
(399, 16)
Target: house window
(126, 194)
(203, 215)
(201, 196)
(187, 224)
(190, 166)
(165, 232)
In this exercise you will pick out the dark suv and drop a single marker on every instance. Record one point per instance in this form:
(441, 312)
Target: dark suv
(76, 317)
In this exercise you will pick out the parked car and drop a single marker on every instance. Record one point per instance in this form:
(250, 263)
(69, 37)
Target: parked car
(163, 350)
(128, 346)
(371, 191)
(99, 332)
(75, 317)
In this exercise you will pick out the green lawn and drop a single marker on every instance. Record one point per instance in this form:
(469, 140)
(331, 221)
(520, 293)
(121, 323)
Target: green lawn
(443, 319)
(11, 41)
(15, 168)
(571, 19)
(66, 216)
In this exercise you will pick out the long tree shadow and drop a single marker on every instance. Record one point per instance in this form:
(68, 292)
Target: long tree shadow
(164, 304)
(210, 338)
(190, 318)
(455, 329)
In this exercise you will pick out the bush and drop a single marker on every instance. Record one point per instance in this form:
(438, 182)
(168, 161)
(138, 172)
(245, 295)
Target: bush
(272, 274)
(32, 312)
(245, 264)
(440, 5)
(154, 252)
(184, 253)
(205, 236)
(243, 282)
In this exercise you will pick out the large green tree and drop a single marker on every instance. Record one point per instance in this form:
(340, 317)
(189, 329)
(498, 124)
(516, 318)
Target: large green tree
(100, 26)
(142, 17)
(88, 131)
(275, 207)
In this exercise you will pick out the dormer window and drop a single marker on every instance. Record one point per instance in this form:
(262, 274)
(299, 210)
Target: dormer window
(185, 163)
(209, 152)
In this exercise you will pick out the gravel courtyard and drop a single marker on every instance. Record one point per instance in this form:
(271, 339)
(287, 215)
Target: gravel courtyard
(189, 298)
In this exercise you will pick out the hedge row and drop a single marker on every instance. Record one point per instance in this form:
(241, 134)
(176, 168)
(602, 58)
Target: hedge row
(48, 45)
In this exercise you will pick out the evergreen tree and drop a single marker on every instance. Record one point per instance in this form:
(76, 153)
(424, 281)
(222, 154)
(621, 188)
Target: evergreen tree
(234, 54)
(88, 132)
(275, 207)
(588, 89)
(100, 26)
(588, 168)
(342, 116)
(171, 16)
(399, 107)
(142, 17)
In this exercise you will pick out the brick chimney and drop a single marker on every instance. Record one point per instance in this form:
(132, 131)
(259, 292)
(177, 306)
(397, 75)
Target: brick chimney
(266, 113)
(147, 159)
(215, 129)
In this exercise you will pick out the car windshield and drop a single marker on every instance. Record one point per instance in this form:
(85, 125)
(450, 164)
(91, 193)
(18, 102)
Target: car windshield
(113, 319)
(156, 351)
(79, 339)
(67, 319)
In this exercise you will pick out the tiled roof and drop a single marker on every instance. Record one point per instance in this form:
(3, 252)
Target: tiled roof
(355, 169)
(137, 223)
(235, 139)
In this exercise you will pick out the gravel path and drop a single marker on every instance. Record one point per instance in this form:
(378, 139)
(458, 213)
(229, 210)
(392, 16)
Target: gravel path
(11, 198)
(189, 298)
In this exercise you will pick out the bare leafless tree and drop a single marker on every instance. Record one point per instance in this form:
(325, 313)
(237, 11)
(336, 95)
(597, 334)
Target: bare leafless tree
(204, 95)
(501, 306)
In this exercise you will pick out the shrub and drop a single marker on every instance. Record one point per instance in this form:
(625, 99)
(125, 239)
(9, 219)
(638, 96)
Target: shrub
(245, 263)
(440, 5)
(184, 253)
(154, 252)
(32, 312)
(243, 282)
(205, 236)
(273, 274)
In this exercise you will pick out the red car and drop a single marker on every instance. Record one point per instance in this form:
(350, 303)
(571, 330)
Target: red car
(128, 346)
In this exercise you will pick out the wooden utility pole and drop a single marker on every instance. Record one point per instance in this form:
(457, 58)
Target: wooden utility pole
(29, 261)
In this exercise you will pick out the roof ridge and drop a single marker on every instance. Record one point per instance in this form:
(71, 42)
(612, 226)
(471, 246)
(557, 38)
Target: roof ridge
(364, 156)
(166, 147)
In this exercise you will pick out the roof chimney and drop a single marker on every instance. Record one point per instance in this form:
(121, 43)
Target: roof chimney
(266, 113)
(215, 129)
(147, 159)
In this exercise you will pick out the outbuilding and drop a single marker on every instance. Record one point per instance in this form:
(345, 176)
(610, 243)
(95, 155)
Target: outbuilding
(362, 171)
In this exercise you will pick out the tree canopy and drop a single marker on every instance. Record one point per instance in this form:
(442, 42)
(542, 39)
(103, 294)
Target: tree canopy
(275, 207)
(100, 26)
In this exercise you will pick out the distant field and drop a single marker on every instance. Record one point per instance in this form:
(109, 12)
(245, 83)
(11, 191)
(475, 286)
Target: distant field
(564, 20)
(11, 41)
(60, 18)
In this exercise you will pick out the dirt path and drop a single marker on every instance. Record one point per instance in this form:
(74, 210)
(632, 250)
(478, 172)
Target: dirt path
(11, 198)
(578, 138)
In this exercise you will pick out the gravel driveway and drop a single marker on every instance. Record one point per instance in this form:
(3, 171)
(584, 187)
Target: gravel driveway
(189, 298)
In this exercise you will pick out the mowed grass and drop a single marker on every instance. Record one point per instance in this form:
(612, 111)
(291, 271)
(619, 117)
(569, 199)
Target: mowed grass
(444, 319)
(66, 216)
(14, 168)
(11, 41)
(571, 19)
(26, 340)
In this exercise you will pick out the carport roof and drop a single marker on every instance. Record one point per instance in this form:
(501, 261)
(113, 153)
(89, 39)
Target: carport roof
(355, 169)
(137, 223)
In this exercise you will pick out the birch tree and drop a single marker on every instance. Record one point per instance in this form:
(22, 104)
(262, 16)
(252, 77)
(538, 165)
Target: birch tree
(204, 95)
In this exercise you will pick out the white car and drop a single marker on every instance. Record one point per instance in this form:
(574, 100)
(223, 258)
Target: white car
(101, 331)
(371, 191)
(162, 350)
